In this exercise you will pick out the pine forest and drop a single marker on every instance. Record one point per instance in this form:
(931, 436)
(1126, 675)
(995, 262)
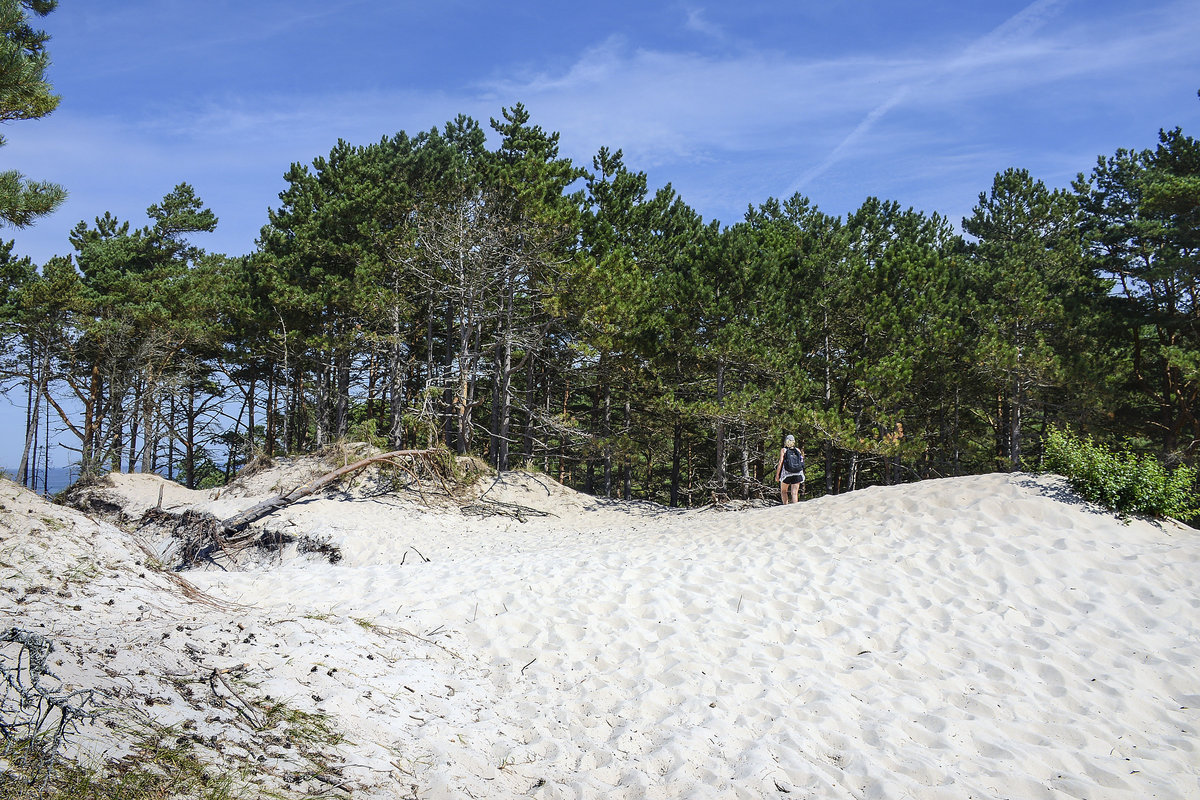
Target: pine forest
(470, 288)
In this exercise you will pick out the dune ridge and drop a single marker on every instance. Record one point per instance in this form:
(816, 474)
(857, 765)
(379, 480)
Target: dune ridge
(982, 637)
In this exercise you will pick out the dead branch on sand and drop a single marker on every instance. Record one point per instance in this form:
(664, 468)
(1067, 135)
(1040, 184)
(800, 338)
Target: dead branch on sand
(239, 522)
(202, 534)
(35, 719)
(495, 508)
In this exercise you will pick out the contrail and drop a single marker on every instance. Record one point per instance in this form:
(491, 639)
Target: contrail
(1021, 24)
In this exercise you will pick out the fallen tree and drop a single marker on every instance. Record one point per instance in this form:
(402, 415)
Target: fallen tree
(203, 534)
(239, 522)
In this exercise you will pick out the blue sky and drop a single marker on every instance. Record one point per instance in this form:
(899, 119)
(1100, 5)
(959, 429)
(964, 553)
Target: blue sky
(731, 103)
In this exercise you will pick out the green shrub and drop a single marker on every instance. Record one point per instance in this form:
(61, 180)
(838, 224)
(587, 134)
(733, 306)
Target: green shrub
(1124, 481)
(367, 432)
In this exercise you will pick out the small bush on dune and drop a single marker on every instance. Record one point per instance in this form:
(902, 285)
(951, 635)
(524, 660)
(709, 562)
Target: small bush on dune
(1123, 481)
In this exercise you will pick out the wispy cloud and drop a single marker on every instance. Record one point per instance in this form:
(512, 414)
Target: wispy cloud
(697, 22)
(670, 106)
(728, 126)
(996, 47)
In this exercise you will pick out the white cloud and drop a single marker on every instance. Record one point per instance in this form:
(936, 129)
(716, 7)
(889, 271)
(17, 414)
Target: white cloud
(667, 107)
(726, 128)
(697, 23)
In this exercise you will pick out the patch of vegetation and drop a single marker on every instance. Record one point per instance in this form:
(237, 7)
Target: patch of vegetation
(268, 749)
(52, 523)
(467, 470)
(304, 729)
(167, 762)
(1123, 481)
(367, 432)
(342, 452)
(155, 769)
(321, 545)
(259, 463)
(82, 572)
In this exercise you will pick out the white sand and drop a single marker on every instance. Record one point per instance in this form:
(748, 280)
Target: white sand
(984, 637)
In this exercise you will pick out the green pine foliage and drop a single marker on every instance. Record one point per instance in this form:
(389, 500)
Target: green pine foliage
(25, 94)
(1122, 481)
(1141, 230)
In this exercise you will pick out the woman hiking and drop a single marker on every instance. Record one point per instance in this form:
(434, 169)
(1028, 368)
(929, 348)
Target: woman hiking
(790, 471)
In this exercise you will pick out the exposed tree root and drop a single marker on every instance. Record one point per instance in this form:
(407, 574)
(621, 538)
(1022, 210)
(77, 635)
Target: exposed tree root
(35, 719)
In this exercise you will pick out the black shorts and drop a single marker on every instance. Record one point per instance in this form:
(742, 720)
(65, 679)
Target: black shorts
(792, 479)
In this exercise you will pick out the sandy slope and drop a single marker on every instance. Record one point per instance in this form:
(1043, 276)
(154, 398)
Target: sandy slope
(981, 637)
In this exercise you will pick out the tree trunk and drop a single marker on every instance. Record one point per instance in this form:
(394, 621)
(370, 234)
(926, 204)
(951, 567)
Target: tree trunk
(606, 429)
(466, 366)
(270, 411)
(341, 403)
(231, 451)
(293, 430)
(189, 444)
(321, 413)
(827, 446)
(745, 464)
(446, 375)
(1014, 422)
(171, 428)
(88, 465)
(31, 424)
(244, 519)
(719, 477)
(676, 457)
(531, 394)
(139, 391)
(395, 379)
(46, 457)
(503, 407)
(827, 455)
(562, 450)
(250, 420)
(149, 396)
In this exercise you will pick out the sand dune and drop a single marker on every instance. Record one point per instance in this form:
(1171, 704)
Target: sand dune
(986, 637)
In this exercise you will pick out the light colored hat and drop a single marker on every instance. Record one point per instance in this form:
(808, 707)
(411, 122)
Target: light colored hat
(790, 440)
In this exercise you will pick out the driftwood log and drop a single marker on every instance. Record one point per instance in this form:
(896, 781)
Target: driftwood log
(202, 534)
(239, 522)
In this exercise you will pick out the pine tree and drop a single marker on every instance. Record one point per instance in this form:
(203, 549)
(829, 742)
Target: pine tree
(25, 94)
(1028, 278)
(1142, 230)
(138, 328)
(535, 226)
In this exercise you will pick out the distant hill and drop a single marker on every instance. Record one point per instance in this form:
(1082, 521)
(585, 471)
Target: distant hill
(58, 478)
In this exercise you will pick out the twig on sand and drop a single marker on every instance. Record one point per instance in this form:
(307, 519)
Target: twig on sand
(415, 550)
(495, 508)
(246, 710)
(342, 784)
(396, 633)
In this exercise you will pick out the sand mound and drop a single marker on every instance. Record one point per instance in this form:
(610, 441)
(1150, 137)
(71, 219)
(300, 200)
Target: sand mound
(977, 637)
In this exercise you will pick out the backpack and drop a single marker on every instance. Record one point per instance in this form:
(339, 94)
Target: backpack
(793, 462)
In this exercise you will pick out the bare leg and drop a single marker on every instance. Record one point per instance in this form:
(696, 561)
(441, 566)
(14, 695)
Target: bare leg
(783, 492)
